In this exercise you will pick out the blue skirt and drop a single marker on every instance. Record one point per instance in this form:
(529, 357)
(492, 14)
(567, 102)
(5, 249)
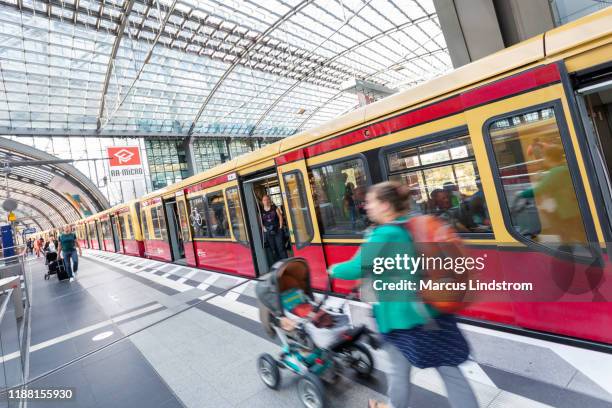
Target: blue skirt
(438, 343)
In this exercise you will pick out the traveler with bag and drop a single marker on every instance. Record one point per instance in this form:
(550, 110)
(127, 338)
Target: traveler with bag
(272, 225)
(415, 333)
(67, 249)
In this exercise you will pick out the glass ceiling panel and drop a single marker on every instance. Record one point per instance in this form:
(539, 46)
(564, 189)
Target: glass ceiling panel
(209, 67)
(37, 187)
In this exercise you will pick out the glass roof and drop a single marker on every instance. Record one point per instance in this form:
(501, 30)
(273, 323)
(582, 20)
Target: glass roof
(204, 67)
(46, 196)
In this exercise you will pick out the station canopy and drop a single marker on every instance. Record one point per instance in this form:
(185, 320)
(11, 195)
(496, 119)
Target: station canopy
(48, 194)
(204, 67)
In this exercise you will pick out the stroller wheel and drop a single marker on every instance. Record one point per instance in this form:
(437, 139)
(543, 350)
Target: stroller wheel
(268, 371)
(359, 359)
(311, 391)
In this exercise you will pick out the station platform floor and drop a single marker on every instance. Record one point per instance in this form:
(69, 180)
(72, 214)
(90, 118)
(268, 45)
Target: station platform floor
(131, 332)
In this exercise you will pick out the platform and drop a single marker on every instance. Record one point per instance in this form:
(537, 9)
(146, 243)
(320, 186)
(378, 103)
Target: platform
(132, 332)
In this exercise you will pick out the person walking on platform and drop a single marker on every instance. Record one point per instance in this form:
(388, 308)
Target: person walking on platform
(272, 224)
(67, 250)
(30, 246)
(38, 245)
(414, 333)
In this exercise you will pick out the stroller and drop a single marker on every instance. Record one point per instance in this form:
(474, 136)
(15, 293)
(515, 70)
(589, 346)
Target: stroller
(54, 267)
(318, 342)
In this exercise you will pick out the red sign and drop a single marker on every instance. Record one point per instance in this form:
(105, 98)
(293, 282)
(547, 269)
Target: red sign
(124, 163)
(124, 156)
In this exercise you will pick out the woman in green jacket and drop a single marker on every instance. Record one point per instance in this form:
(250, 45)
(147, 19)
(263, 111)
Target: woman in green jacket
(399, 320)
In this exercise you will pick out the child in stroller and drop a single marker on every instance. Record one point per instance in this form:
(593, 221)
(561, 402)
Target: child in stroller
(317, 340)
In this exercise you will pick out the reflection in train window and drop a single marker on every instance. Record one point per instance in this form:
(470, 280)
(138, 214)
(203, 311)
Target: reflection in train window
(162, 224)
(217, 215)
(298, 208)
(443, 180)
(106, 230)
(183, 220)
(155, 222)
(124, 226)
(339, 193)
(144, 223)
(536, 179)
(197, 217)
(235, 211)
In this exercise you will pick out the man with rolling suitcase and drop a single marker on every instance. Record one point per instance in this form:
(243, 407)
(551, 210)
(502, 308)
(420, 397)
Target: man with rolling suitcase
(67, 250)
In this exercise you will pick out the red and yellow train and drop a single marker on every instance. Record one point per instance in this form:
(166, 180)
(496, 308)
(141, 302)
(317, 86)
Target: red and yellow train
(514, 149)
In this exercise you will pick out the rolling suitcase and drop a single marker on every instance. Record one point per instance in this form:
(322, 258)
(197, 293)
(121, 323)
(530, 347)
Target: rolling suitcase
(61, 272)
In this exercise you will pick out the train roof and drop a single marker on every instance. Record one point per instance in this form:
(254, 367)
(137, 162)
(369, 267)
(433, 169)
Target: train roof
(548, 45)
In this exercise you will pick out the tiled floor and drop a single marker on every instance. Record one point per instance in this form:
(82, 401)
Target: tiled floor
(192, 337)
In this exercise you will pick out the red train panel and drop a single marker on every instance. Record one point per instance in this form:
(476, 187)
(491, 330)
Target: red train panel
(95, 244)
(109, 245)
(225, 256)
(334, 254)
(133, 247)
(190, 257)
(556, 279)
(159, 250)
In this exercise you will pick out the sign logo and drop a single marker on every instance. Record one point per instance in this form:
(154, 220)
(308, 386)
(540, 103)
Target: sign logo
(124, 163)
(124, 156)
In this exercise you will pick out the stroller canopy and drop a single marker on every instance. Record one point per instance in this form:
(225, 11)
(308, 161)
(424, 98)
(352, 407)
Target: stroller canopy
(292, 273)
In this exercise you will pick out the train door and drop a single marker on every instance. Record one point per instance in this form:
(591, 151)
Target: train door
(115, 231)
(185, 231)
(99, 235)
(545, 217)
(91, 234)
(174, 231)
(595, 107)
(303, 228)
(254, 190)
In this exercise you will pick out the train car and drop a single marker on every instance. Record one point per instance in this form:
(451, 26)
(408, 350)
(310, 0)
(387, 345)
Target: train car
(93, 232)
(514, 150)
(106, 235)
(128, 233)
(80, 229)
(154, 228)
(219, 236)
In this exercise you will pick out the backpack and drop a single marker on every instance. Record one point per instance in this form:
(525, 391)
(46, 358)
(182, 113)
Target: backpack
(433, 238)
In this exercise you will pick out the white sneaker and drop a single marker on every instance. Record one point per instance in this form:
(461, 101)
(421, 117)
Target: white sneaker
(71, 279)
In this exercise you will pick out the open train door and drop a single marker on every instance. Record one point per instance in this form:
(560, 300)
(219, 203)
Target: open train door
(303, 226)
(185, 231)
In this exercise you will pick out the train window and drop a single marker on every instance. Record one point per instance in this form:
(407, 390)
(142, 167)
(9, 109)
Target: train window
(217, 215)
(162, 223)
(155, 222)
(536, 179)
(298, 208)
(182, 211)
(106, 230)
(129, 227)
(145, 224)
(339, 194)
(443, 180)
(126, 226)
(235, 213)
(159, 223)
(197, 217)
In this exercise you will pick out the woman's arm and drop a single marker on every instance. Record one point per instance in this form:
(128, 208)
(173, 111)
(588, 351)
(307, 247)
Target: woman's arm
(348, 270)
(280, 217)
(351, 269)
